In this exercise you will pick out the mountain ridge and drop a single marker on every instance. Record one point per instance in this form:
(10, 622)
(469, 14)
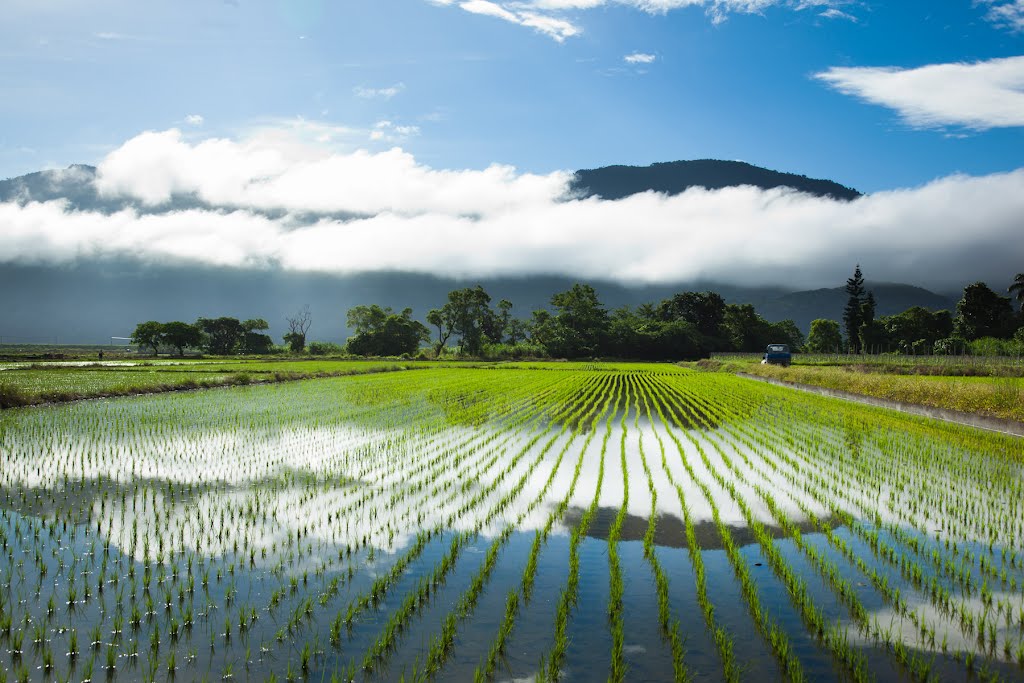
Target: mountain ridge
(674, 177)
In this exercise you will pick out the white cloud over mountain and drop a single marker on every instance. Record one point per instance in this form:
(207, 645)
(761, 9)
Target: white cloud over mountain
(497, 221)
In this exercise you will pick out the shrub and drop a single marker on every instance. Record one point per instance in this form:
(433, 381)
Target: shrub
(11, 396)
(523, 349)
(323, 348)
(990, 346)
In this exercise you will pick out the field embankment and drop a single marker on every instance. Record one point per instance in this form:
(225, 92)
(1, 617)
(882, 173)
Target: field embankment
(24, 384)
(988, 390)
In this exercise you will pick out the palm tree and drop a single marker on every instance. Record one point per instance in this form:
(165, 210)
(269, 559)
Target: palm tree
(1017, 288)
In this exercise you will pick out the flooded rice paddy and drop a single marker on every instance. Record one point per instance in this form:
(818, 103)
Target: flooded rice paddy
(625, 523)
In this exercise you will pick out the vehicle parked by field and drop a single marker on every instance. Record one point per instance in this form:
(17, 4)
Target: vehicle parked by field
(777, 354)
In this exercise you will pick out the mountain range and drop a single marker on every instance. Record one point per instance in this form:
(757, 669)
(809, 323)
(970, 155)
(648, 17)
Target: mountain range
(91, 300)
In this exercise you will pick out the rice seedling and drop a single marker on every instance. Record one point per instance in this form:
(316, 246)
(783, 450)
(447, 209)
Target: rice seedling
(275, 513)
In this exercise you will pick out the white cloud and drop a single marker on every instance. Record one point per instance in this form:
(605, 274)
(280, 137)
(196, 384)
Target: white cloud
(639, 58)
(287, 170)
(194, 120)
(548, 16)
(554, 27)
(1007, 14)
(388, 131)
(833, 13)
(499, 222)
(383, 93)
(489, 9)
(980, 95)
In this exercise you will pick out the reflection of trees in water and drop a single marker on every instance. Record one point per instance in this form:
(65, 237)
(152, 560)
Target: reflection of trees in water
(670, 531)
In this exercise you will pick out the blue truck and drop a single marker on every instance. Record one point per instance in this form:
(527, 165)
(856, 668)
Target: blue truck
(777, 354)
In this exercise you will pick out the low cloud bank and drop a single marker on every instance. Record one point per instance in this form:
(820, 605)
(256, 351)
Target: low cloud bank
(498, 222)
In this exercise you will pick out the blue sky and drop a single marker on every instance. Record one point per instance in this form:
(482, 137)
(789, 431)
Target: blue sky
(437, 136)
(464, 89)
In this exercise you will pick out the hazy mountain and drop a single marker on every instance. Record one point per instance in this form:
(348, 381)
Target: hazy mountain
(91, 302)
(673, 177)
(94, 299)
(890, 298)
(76, 185)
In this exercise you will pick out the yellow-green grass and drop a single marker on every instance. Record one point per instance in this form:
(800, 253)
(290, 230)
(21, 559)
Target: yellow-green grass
(1001, 397)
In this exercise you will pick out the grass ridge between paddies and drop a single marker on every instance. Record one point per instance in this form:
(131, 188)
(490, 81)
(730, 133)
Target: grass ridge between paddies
(40, 383)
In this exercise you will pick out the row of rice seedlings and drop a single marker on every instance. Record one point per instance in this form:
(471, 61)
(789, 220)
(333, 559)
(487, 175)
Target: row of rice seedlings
(525, 591)
(723, 640)
(912, 572)
(550, 667)
(416, 599)
(454, 473)
(72, 592)
(615, 585)
(835, 638)
(773, 634)
(975, 498)
(920, 667)
(976, 622)
(669, 626)
(441, 645)
(970, 623)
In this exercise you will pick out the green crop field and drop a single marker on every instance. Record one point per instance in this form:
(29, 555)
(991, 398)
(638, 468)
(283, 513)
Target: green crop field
(545, 521)
(26, 383)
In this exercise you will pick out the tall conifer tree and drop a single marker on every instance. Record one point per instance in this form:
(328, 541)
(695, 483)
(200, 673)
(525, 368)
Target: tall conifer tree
(853, 314)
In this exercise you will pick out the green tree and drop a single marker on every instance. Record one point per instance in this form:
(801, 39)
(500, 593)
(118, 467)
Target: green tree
(501, 321)
(824, 337)
(253, 340)
(149, 334)
(983, 313)
(542, 327)
(633, 334)
(382, 332)
(786, 332)
(517, 331)
(367, 319)
(745, 329)
(471, 316)
(1017, 289)
(854, 312)
(580, 323)
(182, 336)
(223, 335)
(705, 310)
(916, 329)
(444, 320)
(298, 327)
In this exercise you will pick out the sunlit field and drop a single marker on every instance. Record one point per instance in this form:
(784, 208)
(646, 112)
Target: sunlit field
(575, 521)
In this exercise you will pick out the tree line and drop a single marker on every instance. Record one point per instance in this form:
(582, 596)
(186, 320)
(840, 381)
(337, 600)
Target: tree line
(984, 322)
(578, 325)
(222, 336)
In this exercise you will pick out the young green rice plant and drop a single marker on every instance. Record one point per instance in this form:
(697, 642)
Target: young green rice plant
(552, 662)
(776, 638)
